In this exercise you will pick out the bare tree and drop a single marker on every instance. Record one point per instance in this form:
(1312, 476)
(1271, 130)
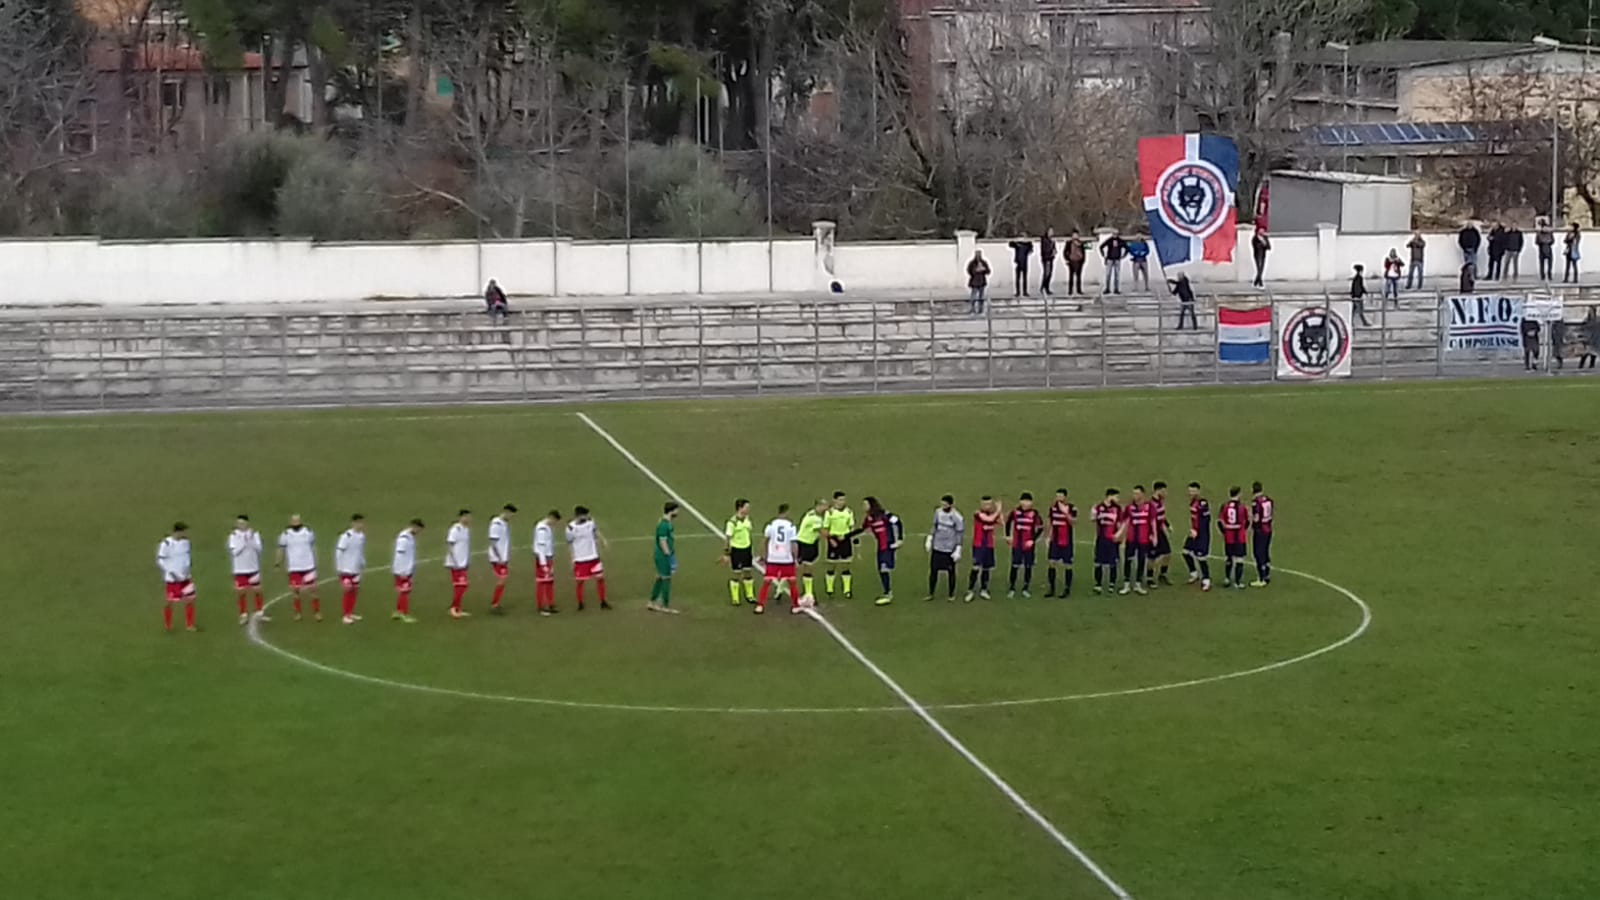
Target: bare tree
(45, 79)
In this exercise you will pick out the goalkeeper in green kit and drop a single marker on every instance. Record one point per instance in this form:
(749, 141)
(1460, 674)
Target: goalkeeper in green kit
(666, 560)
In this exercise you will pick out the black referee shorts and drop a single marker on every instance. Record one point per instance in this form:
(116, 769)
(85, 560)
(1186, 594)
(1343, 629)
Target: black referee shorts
(808, 552)
(841, 551)
(741, 559)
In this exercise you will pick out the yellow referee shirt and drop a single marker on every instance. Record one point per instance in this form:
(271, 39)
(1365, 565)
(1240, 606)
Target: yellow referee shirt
(738, 533)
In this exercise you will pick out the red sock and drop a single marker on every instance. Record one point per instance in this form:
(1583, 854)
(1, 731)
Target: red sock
(243, 607)
(580, 592)
(766, 588)
(316, 605)
(166, 613)
(348, 602)
(297, 604)
(499, 591)
(259, 606)
(403, 605)
(459, 593)
(547, 594)
(794, 592)
(188, 614)
(600, 588)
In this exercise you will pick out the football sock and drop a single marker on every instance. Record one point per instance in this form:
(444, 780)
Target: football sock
(456, 595)
(579, 588)
(972, 579)
(259, 606)
(933, 581)
(952, 574)
(1099, 575)
(297, 606)
(499, 591)
(666, 592)
(984, 579)
(766, 591)
(1238, 572)
(402, 603)
(884, 577)
(807, 581)
(347, 603)
(1205, 569)
(1263, 570)
(166, 614)
(655, 590)
(1011, 579)
(243, 606)
(1188, 560)
(1067, 581)
(600, 588)
(1050, 575)
(188, 614)
(1139, 568)
(316, 605)
(794, 595)
(844, 579)
(733, 591)
(1027, 577)
(827, 580)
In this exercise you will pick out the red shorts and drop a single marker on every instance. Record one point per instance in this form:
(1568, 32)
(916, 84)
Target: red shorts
(349, 582)
(307, 579)
(543, 572)
(458, 578)
(244, 582)
(780, 571)
(592, 568)
(500, 569)
(402, 583)
(180, 591)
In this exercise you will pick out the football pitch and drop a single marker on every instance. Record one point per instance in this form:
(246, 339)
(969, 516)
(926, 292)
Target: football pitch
(1408, 711)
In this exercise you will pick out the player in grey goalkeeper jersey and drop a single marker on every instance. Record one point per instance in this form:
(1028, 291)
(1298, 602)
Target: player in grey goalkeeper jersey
(944, 545)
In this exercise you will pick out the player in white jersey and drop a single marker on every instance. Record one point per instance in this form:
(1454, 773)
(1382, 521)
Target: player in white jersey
(244, 548)
(404, 567)
(585, 540)
(457, 558)
(350, 558)
(783, 551)
(297, 549)
(544, 563)
(500, 552)
(172, 558)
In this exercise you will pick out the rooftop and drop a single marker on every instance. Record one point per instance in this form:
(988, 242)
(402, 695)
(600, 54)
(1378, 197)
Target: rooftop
(1413, 54)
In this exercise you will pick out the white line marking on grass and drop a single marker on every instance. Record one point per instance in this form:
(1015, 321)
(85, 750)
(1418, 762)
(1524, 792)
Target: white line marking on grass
(955, 743)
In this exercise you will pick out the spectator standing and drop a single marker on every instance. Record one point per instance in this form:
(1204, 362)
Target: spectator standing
(1047, 259)
(977, 283)
(1497, 250)
(1530, 344)
(1469, 240)
(1184, 291)
(1260, 244)
(1544, 239)
(1139, 261)
(1419, 249)
(1591, 339)
(1112, 249)
(1358, 293)
(494, 302)
(1513, 261)
(1392, 267)
(1469, 280)
(1076, 253)
(1574, 236)
(1558, 343)
(1021, 251)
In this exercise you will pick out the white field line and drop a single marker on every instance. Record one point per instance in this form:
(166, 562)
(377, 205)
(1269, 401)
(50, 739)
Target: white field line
(513, 409)
(955, 743)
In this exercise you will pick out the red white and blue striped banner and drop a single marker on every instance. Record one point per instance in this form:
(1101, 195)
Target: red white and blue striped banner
(1189, 182)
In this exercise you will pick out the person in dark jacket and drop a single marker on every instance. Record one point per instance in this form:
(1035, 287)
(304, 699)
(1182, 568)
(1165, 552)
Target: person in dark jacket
(1497, 250)
(1184, 291)
(1021, 251)
(1590, 332)
(977, 283)
(1076, 252)
(1469, 240)
(1530, 344)
(1047, 259)
(1544, 239)
(1260, 244)
(1558, 343)
(1358, 293)
(1112, 250)
(1512, 265)
(1570, 245)
(494, 301)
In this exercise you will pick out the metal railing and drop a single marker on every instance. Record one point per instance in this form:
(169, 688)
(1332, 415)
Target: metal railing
(107, 360)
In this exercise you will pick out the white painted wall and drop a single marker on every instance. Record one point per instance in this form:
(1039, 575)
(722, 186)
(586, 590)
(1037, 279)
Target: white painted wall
(44, 272)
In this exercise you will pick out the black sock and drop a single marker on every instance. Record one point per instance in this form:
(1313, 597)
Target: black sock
(952, 574)
(1067, 581)
(884, 577)
(933, 581)
(1051, 576)
(985, 578)
(1188, 560)
(1027, 577)
(1099, 575)
(1011, 580)
(1127, 568)
(1140, 568)
(1205, 569)
(972, 579)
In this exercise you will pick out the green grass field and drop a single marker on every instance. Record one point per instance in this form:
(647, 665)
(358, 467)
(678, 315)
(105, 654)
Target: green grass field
(1450, 751)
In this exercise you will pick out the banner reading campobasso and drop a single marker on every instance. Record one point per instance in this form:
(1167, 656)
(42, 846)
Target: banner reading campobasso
(1483, 323)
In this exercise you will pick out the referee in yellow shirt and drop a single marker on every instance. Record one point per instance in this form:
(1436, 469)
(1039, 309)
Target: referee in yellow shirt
(810, 534)
(840, 523)
(738, 551)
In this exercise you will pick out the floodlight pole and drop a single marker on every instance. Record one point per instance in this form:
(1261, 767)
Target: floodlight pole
(1344, 88)
(1554, 46)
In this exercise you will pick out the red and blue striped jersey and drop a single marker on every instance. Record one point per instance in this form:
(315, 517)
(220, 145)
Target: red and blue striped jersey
(1261, 514)
(1062, 517)
(1107, 519)
(1023, 527)
(1233, 521)
(983, 529)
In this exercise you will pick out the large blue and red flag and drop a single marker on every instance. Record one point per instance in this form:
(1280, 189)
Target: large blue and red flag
(1188, 182)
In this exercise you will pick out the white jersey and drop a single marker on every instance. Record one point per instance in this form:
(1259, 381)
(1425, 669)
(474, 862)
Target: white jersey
(299, 549)
(458, 547)
(780, 541)
(245, 548)
(544, 542)
(499, 540)
(405, 554)
(581, 538)
(350, 554)
(172, 558)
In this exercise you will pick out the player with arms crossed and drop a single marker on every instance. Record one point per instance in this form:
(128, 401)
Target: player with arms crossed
(889, 534)
(172, 558)
(544, 563)
(1063, 516)
(404, 568)
(1233, 521)
(779, 563)
(738, 551)
(1023, 528)
(1261, 534)
(1161, 551)
(944, 545)
(349, 560)
(585, 540)
(984, 524)
(244, 548)
(458, 559)
(1107, 535)
(500, 553)
(1137, 540)
(810, 534)
(666, 560)
(840, 526)
(297, 549)
(1197, 549)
